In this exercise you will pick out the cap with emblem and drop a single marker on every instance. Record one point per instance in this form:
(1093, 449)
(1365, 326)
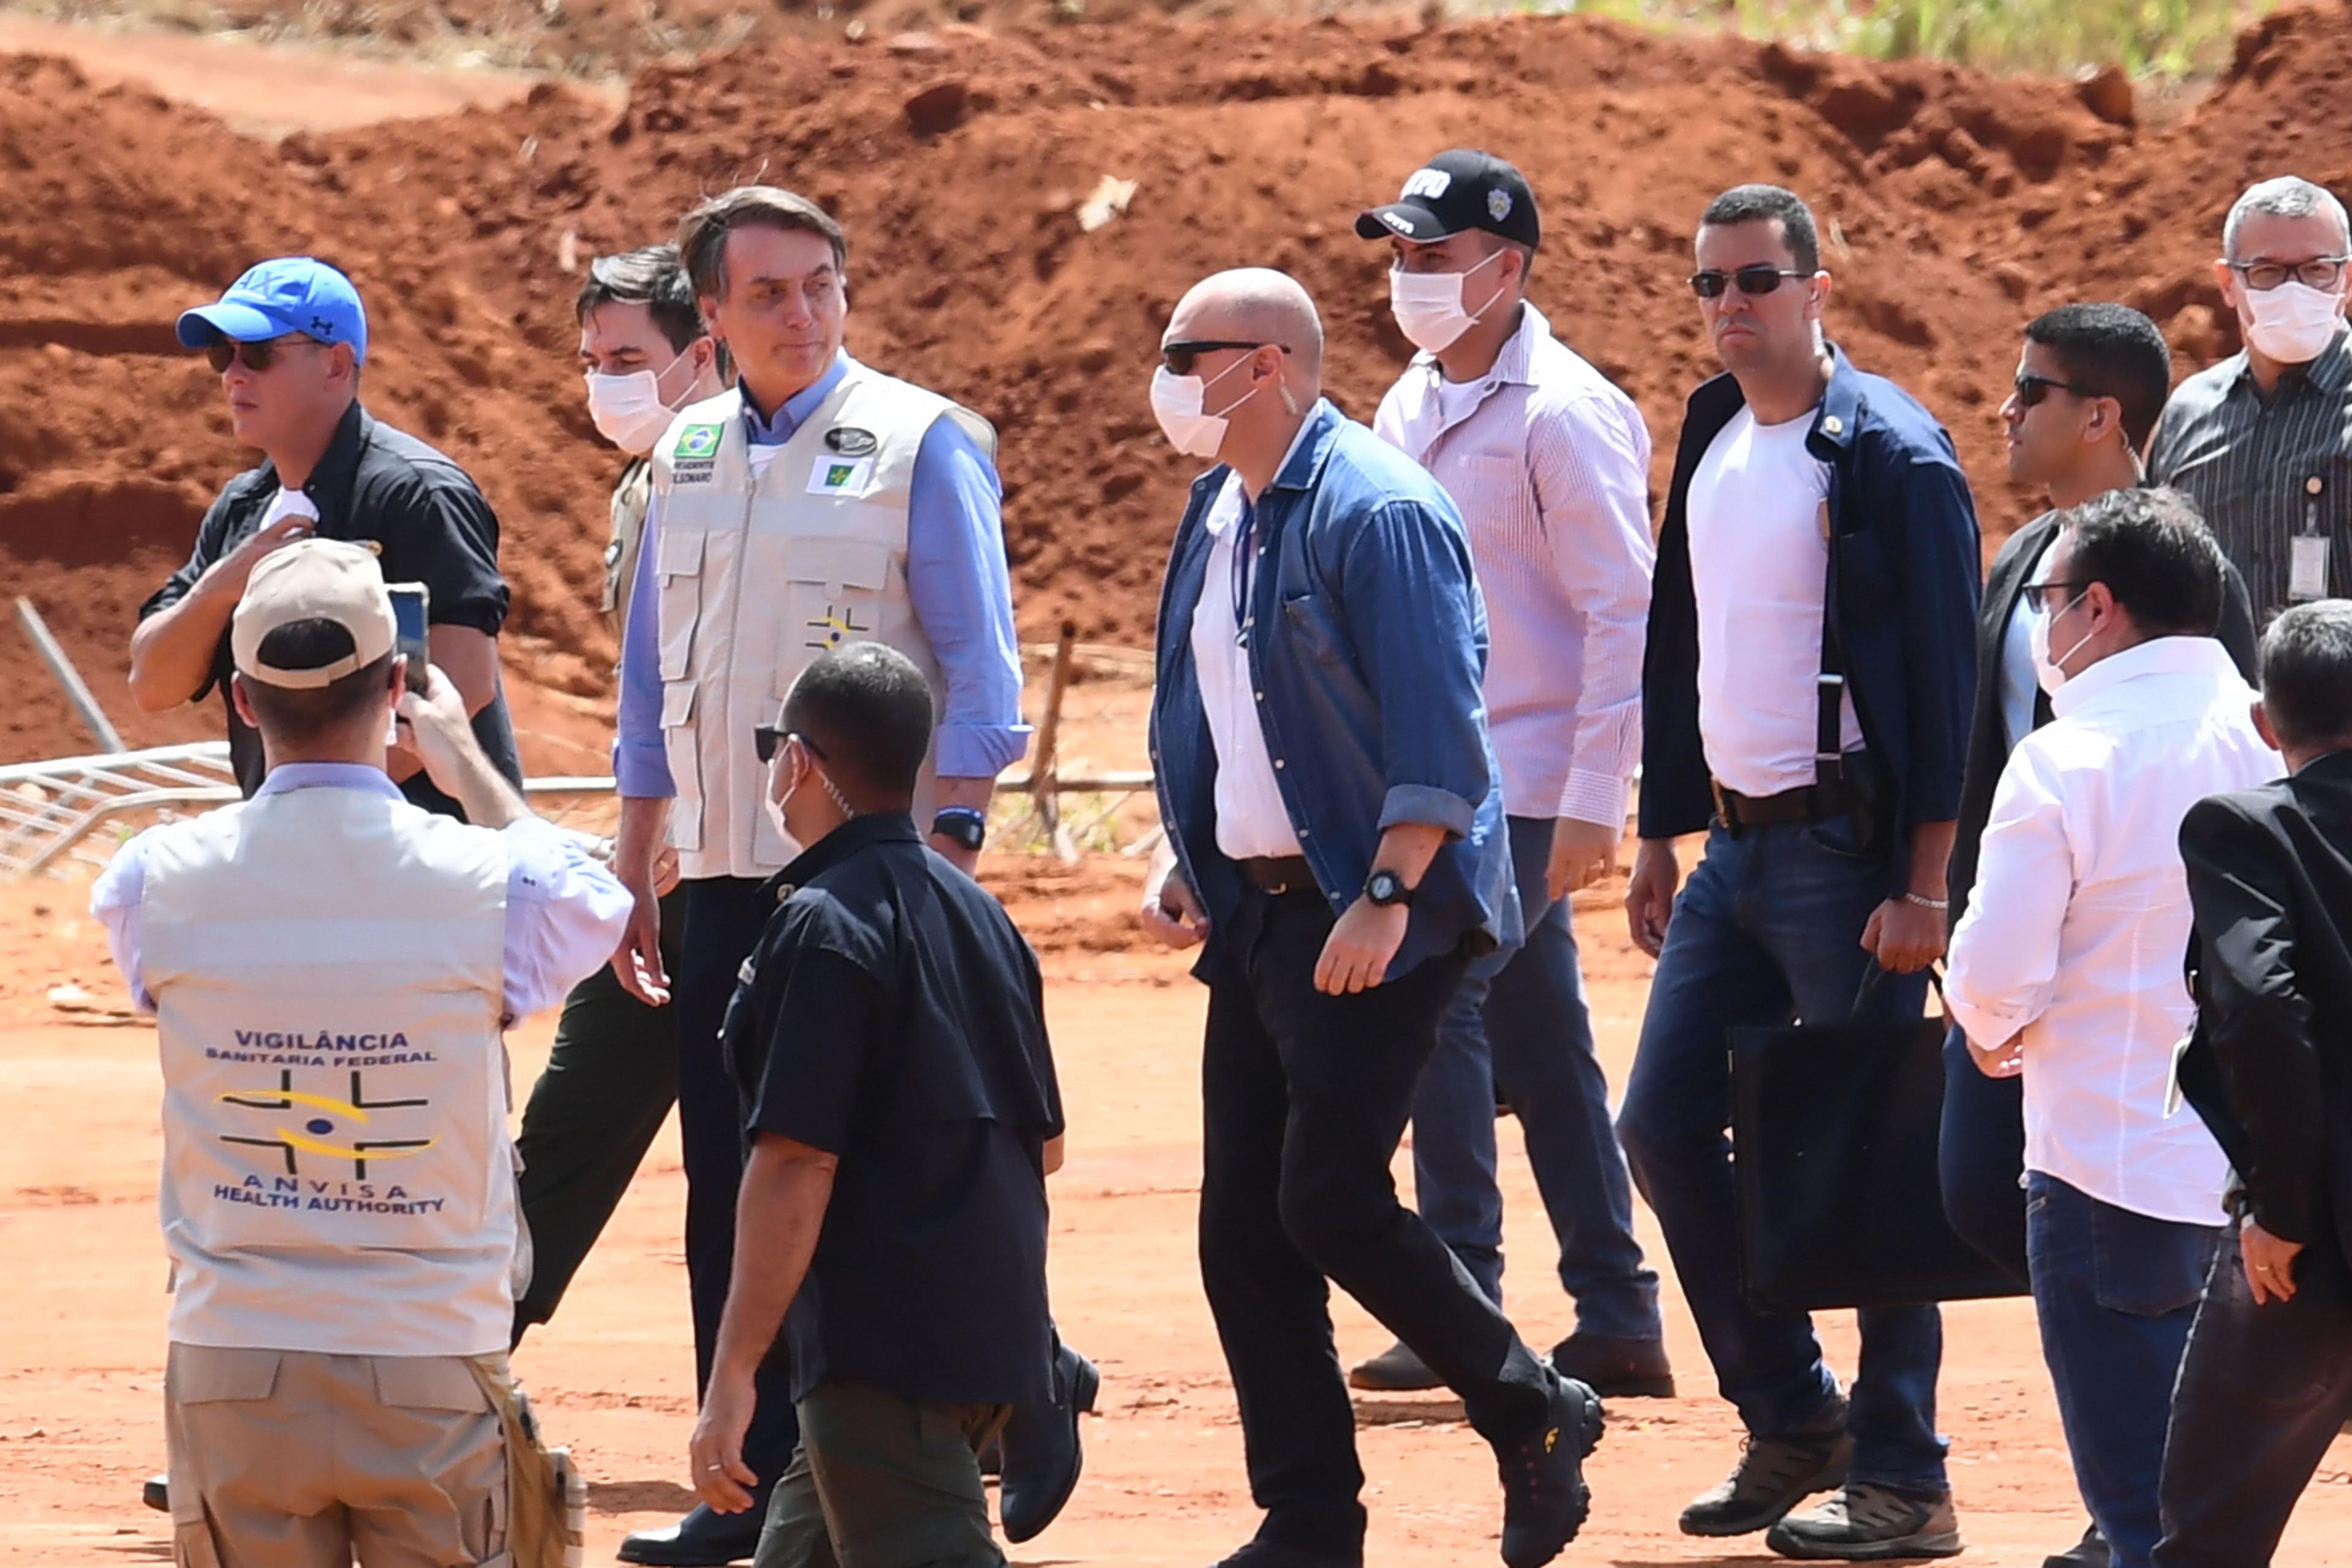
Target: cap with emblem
(1455, 191)
(291, 294)
(314, 580)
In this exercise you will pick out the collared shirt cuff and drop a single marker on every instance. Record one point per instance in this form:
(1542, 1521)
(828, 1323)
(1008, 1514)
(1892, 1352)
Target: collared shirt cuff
(641, 771)
(978, 751)
(1430, 807)
(1594, 797)
(1986, 1027)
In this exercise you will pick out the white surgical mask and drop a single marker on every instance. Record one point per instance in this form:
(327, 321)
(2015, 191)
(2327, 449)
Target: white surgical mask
(2293, 323)
(1428, 306)
(628, 410)
(1177, 401)
(2046, 671)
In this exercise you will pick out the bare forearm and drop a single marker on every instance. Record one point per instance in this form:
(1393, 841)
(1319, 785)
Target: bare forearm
(1408, 848)
(171, 651)
(643, 817)
(1931, 855)
(976, 794)
(779, 1213)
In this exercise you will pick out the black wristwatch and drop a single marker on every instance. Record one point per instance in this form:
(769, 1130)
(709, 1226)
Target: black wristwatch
(1386, 890)
(962, 824)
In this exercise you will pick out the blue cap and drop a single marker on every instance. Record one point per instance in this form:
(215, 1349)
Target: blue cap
(292, 294)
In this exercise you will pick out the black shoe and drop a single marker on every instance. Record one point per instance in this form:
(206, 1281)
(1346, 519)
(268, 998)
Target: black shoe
(701, 1540)
(1395, 1369)
(1040, 1452)
(2091, 1551)
(1272, 1554)
(1616, 1369)
(1774, 1475)
(157, 1493)
(1545, 1499)
(1865, 1522)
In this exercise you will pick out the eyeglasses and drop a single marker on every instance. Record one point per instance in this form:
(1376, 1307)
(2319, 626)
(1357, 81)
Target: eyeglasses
(1753, 281)
(2037, 594)
(767, 740)
(2031, 389)
(222, 352)
(2318, 272)
(1179, 356)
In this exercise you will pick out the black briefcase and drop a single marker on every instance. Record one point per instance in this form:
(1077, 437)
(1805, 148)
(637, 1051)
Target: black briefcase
(1834, 1131)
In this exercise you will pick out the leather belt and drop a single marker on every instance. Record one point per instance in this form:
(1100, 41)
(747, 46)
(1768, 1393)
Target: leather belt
(1807, 803)
(1279, 873)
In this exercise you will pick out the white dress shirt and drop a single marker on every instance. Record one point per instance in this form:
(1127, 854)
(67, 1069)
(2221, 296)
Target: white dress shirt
(1549, 464)
(1253, 823)
(1759, 549)
(2076, 931)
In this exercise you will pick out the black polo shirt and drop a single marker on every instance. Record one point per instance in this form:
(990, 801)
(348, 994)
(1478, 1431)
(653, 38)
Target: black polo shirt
(432, 527)
(894, 1017)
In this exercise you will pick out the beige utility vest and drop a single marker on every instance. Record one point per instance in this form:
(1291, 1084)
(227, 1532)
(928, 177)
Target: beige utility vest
(327, 968)
(762, 565)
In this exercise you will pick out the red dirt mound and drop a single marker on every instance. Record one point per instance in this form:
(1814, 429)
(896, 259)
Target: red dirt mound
(1953, 206)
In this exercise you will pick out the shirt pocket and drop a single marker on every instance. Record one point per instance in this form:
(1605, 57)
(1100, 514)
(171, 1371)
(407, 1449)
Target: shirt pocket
(679, 744)
(1312, 628)
(677, 572)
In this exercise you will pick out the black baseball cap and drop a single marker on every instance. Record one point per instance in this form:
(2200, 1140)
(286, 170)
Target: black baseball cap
(1457, 190)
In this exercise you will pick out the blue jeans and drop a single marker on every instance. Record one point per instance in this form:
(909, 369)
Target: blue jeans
(1770, 929)
(1519, 1024)
(2116, 1293)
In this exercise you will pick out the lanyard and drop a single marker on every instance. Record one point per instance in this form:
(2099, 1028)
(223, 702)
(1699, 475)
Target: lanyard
(1245, 554)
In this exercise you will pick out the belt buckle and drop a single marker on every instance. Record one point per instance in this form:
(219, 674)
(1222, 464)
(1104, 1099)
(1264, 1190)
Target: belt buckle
(1723, 811)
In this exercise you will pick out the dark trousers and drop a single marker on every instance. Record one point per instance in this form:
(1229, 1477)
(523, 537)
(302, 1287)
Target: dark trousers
(1305, 1098)
(1769, 927)
(2115, 1292)
(883, 1482)
(2263, 1393)
(1980, 1157)
(610, 1081)
(724, 918)
(1518, 1025)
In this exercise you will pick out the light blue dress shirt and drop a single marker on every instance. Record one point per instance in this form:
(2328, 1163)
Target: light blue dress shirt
(956, 574)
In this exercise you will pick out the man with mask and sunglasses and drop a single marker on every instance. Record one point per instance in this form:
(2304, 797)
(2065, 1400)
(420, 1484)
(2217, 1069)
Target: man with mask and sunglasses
(1805, 700)
(2262, 441)
(1335, 836)
(1549, 465)
(612, 1073)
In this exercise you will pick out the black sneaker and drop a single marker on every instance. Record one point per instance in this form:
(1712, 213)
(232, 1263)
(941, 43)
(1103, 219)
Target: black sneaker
(1545, 1499)
(2091, 1551)
(1616, 1369)
(1774, 1475)
(1866, 1522)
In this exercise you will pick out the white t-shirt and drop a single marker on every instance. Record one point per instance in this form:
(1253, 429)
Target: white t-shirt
(1759, 514)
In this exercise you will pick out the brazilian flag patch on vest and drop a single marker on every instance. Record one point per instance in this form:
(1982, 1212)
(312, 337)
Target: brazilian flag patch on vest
(698, 442)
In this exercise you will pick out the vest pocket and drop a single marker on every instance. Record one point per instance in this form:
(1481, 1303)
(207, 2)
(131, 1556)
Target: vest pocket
(678, 571)
(679, 743)
(837, 588)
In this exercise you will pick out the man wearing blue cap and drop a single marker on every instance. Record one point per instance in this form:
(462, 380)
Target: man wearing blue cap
(289, 339)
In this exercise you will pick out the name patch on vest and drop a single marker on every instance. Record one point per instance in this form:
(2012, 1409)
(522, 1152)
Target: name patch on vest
(840, 476)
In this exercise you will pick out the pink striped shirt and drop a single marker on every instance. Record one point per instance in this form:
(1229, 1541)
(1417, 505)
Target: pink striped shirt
(1550, 467)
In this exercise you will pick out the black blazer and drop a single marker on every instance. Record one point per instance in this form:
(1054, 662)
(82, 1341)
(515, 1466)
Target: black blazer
(2269, 1065)
(1988, 732)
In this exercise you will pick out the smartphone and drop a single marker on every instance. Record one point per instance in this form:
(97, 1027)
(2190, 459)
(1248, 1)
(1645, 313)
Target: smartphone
(409, 602)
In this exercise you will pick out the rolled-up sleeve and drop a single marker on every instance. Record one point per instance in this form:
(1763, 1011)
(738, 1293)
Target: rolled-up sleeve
(565, 914)
(1942, 564)
(962, 592)
(115, 901)
(1409, 567)
(640, 760)
(2004, 958)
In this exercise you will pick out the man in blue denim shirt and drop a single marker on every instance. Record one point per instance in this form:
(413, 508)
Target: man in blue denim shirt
(1336, 835)
(1831, 806)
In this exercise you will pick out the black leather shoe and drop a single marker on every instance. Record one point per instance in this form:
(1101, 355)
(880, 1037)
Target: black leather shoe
(1395, 1369)
(2091, 1551)
(1774, 1475)
(1041, 1454)
(1272, 1554)
(1616, 1369)
(1545, 1499)
(157, 1493)
(701, 1540)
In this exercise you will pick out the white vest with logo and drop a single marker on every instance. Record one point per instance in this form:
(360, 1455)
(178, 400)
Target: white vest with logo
(759, 570)
(327, 968)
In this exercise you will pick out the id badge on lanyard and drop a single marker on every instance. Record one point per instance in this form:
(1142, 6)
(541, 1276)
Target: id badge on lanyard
(2307, 566)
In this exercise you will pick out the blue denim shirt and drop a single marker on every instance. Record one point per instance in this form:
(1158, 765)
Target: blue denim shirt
(1371, 654)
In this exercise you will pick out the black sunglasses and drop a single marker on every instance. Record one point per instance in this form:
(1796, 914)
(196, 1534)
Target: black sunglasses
(1179, 356)
(2031, 389)
(2038, 594)
(2319, 272)
(767, 740)
(222, 352)
(1753, 281)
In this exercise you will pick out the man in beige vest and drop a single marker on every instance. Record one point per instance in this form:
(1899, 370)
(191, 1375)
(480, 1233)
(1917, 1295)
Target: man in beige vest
(331, 969)
(816, 502)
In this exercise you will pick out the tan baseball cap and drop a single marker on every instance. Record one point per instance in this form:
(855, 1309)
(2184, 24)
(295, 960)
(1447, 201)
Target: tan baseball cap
(314, 580)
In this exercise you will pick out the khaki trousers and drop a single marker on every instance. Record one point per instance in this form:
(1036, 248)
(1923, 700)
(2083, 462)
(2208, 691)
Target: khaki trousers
(298, 1459)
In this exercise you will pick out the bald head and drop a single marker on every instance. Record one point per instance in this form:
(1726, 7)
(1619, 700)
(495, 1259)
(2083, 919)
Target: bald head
(1257, 304)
